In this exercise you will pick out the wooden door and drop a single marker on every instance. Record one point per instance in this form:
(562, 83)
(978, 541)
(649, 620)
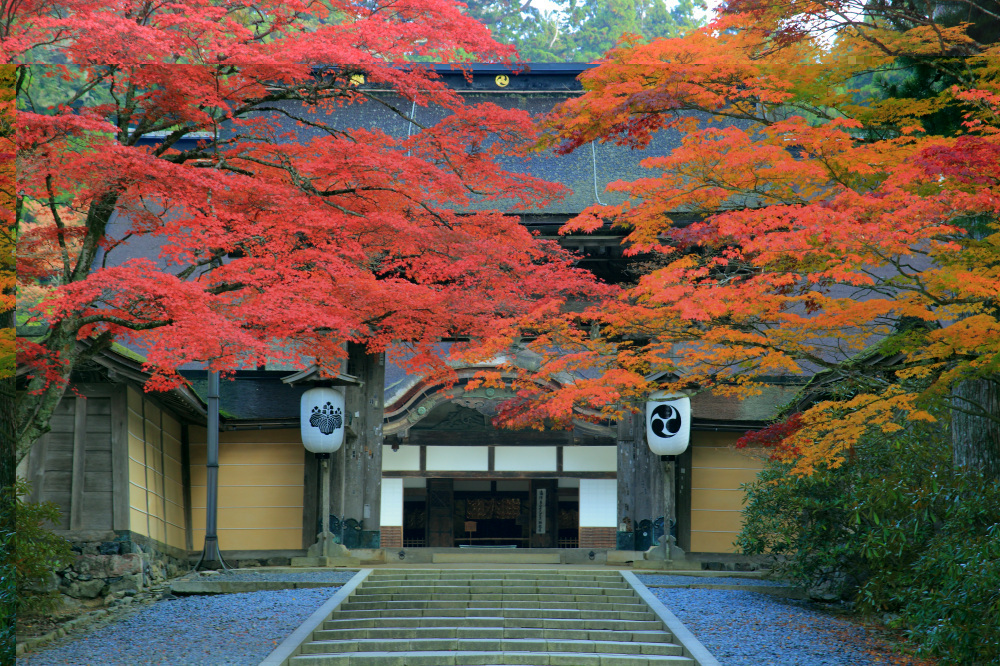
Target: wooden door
(440, 512)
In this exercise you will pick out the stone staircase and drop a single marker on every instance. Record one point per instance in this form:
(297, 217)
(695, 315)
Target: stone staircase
(457, 617)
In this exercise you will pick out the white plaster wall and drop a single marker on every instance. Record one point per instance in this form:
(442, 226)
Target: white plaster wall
(598, 503)
(458, 458)
(524, 459)
(590, 459)
(406, 459)
(392, 502)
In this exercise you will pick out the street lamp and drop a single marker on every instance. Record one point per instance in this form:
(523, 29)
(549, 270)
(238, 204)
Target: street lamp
(323, 421)
(668, 433)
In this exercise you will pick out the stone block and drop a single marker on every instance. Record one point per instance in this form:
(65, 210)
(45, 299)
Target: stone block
(85, 589)
(127, 584)
(107, 566)
(110, 548)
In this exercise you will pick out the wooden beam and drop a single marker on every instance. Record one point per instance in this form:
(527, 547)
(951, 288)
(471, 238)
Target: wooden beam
(119, 459)
(462, 474)
(186, 485)
(93, 390)
(310, 497)
(79, 464)
(491, 437)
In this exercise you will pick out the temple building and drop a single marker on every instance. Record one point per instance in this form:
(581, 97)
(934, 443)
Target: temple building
(423, 471)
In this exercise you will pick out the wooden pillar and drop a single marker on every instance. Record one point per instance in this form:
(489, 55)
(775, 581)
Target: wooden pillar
(682, 496)
(374, 389)
(361, 468)
(626, 469)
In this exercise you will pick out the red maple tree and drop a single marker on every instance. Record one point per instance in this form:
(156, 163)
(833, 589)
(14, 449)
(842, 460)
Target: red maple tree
(279, 232)
(833, 226)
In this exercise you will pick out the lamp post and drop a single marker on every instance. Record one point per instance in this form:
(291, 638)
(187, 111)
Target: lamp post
(323, 423)
(668, 433)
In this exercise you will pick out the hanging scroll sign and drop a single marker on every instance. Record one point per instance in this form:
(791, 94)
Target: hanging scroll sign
(321, 415)
(668, 423)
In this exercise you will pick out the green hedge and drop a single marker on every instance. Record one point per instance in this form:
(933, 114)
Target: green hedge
(895, 529)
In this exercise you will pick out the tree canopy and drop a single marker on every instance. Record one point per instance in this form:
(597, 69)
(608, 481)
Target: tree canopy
(835, 233)
(578, 30)
(210, 132)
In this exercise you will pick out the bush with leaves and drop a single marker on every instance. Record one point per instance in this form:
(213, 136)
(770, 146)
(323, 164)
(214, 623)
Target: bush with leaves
(895, 528)
(36, 551)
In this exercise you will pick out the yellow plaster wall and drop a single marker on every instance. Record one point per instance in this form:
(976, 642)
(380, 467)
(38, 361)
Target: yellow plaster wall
(260, 489)
(156, 490)
(717, 470)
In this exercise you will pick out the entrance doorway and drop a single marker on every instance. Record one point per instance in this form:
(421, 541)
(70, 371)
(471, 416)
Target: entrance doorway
(510, 513)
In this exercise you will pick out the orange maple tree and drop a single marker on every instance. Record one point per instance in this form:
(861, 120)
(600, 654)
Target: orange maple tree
(190, 187)
(832, 227)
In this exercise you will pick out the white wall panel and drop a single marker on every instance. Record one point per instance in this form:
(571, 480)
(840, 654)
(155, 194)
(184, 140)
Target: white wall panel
(525, 459)
(406, 459)
(598, 503)
(392, 502)
(590, 459)
(458, 458)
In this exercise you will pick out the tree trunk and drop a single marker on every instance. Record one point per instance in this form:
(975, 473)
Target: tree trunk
(976, 438)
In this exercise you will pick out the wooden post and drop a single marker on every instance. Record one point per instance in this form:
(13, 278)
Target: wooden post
(121, 519)
(79, 464)
(362, 461)
(626, 469)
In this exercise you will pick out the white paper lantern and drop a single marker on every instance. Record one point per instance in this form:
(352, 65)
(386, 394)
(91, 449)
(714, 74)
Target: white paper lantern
(668, 423)
(322, 420)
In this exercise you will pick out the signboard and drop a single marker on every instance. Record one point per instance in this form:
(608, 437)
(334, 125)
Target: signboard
(668, 423)
(540, 511)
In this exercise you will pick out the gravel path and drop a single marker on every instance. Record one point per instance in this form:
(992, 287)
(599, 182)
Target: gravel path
(238, 629)
(751, 629)
(673, 579)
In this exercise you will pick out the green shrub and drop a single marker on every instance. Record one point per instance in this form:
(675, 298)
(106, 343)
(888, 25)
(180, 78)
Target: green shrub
(36, 551)
(8, 594)
(895, 529)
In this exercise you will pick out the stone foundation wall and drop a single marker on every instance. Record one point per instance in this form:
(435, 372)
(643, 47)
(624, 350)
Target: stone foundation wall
(116, 563)
(598, 537)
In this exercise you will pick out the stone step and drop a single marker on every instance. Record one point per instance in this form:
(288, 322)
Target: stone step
(338, 622)
(553, 613)
(486, 658)
(422, 631)
(487, 645)
(497, 581)
(581, 602)
(404, 595)
(505, 590)
(497, 557)
(472, 574)
(491, 618)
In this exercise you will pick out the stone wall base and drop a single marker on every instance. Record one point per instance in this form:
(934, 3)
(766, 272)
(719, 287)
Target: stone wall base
(598, 537)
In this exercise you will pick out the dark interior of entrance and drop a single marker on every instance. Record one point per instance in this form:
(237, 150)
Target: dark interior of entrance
(514, 513)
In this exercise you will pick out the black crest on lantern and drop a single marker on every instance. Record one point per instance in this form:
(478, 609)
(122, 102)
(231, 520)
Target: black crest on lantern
(665, 421)
(327, 418)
